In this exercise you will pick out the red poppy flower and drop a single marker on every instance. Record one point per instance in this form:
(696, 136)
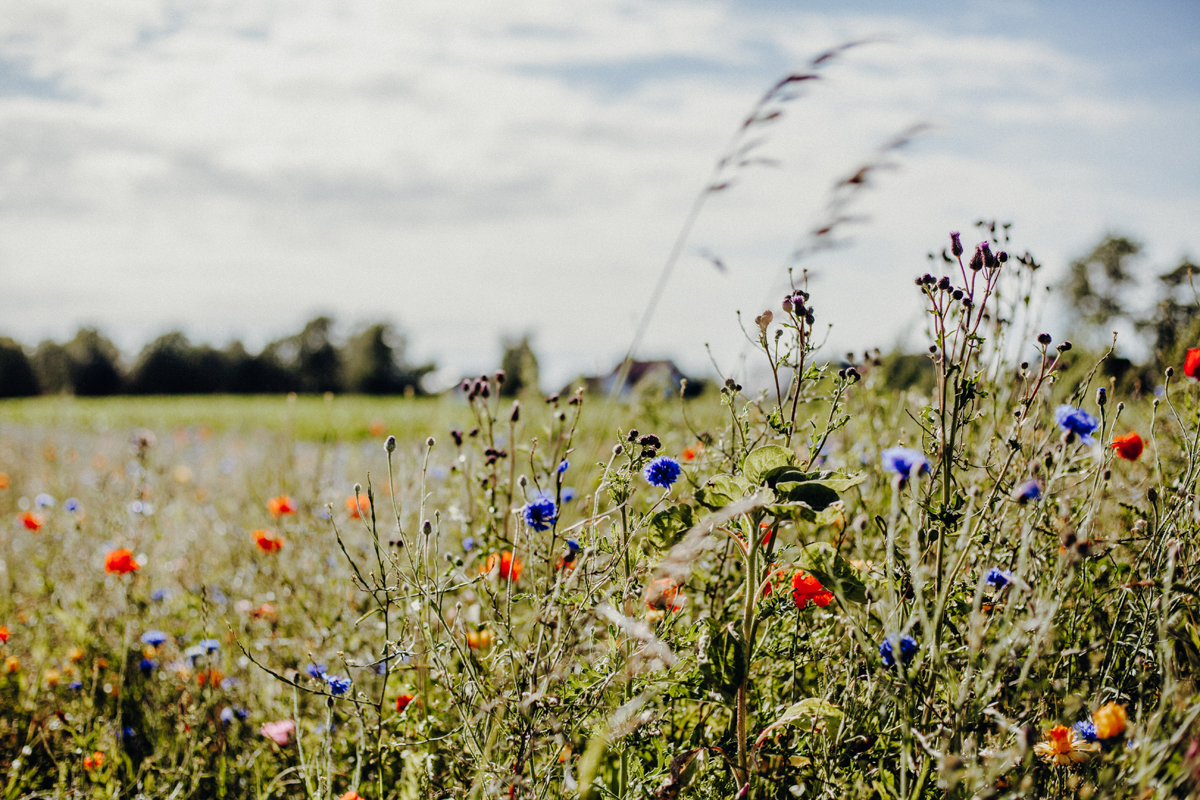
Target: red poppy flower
(402, 702)
(94, 761)
(1191, 363)
(3, 634)
(278, 506)
(689, 453)
(267, 541)
(358, 509)
(510, 566)
(663, 595)
(805, 588)
(32, 521)
(120, 562)
(1129, 446)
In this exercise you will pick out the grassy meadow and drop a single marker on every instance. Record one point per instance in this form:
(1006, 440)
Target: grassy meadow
(980, 586)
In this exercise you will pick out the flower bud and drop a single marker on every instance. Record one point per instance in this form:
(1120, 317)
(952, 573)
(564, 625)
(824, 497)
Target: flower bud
(515, 414)
(1170, 372)
(456, 435)
(956, 244)
(977, 259)
(500, 376)
(1101, 397)
(430, 442)
(1044, 339)
(1064, 347)
(426, 527)
(618, 449)
(390, 444)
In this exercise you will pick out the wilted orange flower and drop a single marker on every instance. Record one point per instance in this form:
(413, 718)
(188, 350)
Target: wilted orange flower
(267, 541)
(94, 761)
(3, 634)
(1191, 363)
(663, 595)
(12, 665)
(377, 427)
(510, 566)
(402, 701)
(283, 504)
(805, 588)
(356, 509)
(120, 562)
(3, 480)
(1129, 446)
(1110, 719)
(32, 521)
(1064, 746)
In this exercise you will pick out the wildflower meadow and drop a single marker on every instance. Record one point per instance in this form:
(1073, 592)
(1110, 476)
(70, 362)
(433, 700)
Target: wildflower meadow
(982, 585)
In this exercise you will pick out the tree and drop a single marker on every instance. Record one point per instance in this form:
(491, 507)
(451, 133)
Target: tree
(310, 357)
(95, 364)
(520, 368)
(173, 365)
(52, 364)
(375, 363)
(17, 378)
(1096, 283)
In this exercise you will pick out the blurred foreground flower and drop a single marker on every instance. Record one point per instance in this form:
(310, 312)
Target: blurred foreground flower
(120, 562)
(1191, 363)
(402, 702)
(279, 732)
(1028, 492)
(1110, 720)
(1129, 446)
(3, 634)
(663, 595)
(267, 541)
(904, 461)
(357, 506)
(281, 505)
(999, 578)
(1077, 421)
(32, 521)
(906, 644)
(94, 761)
(510, 565)
(1064, 746)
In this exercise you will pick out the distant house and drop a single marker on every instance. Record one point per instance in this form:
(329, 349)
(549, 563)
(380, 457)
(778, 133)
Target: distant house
(642, 376)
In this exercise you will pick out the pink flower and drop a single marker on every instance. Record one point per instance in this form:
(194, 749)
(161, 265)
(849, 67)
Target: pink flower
(278, 732)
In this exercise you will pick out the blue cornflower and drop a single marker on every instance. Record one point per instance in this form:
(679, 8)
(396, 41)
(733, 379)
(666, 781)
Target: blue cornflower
(159, 594)
(540, 513)
(211, 645)
(562, 466)
(904, 461)
(71, 505)
(573, 545)
(44, 500)
(76, 685)
(568, 494)
(315, 671)
(906, 644)
(1086, 729)
(1076, 421)
(194, 652)
(153, 638)
(469, 544)
(127, 732)
(227, 715)
(999, 577)
(338, 685)
(662, 472)
(148, 664)
(1028, 492)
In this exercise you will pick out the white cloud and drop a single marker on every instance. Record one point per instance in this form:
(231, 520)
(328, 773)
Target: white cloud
(478, 169)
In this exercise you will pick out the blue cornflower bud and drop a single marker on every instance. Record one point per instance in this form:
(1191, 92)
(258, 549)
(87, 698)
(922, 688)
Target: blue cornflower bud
(1086, 730)
(211, 645)
(147, 666)
(573, 545)
(315, 671)
(562, 466)
(1028, 492)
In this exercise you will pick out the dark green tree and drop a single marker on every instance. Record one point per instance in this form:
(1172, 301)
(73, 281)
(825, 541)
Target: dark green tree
(17, 378)
(374, 362)
(95, 364)
(520, 368)
(52, 364)
(1097, 282)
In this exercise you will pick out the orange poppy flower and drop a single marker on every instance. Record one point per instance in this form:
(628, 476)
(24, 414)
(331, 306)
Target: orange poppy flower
(805, 588)
(1191, 363)
(351, 795)
(32, 521)
(663, 595)
(212, 677)
(267, 541)
(377, 427)
(120, 562)
(94, 761)
(1110, 719)
(283, 504)
(358, 509)
(1129, 446)
(402, 702)
(3, 480)
(3, 634)
(480, 640)
(510, 566)
(689, 453)
(12, 665)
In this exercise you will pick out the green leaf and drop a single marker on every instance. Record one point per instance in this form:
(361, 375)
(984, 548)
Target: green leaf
(721, 490)
(817, 715)
(724, 664)
(668, 526)
(814, 494)
(764, 459)
(825, 564)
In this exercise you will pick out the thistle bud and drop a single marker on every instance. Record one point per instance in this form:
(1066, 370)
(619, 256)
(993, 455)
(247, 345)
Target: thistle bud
(977, 259)
(1044, 339)
(515, 414)
(633, 434)
(1101, 397)
(956, 244)
(457, 436)
(426, 527)
(989, 260)
(390, 444)
(944, 284)
(1064, 347)
(1002, 256)
(787, 304)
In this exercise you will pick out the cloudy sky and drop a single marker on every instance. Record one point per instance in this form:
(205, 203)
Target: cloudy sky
(474, 170)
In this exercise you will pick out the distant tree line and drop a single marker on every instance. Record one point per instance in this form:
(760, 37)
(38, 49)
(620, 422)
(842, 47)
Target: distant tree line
(372, 361)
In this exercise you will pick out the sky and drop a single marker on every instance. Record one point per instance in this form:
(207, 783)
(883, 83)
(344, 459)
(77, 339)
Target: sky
(476, 171)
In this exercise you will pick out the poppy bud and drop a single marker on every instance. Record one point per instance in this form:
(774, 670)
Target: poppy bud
(956, 244)
(1044, 339)
(390, 444)
(1170, 372)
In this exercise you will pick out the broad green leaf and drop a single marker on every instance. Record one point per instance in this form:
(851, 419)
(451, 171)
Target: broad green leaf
(815, 714)
(721, 490)
(834, 572)
(668, 526)
(814, 494)
(764, 459)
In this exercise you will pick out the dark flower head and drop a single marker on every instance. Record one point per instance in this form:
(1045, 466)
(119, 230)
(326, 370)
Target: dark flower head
(904, 461)
(540, 513)
(999, 577)
(1076, 421)
(906, 645)
(956, 244)
(662, 472)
